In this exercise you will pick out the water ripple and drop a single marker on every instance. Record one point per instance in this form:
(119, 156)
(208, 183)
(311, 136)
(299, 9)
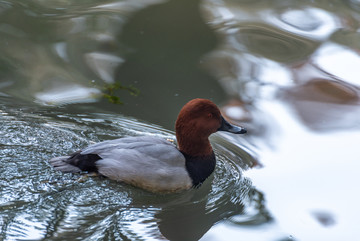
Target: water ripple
(275, 44)
(39, 203)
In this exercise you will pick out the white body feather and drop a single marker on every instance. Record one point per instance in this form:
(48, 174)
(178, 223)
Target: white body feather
(148, 162)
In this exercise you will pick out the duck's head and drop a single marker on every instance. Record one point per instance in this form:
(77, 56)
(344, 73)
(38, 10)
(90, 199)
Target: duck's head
(197, 120)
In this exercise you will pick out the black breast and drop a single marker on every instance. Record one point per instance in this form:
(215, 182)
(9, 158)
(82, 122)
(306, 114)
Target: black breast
(200, 168)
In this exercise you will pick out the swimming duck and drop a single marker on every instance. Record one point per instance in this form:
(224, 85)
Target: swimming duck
(153, 163)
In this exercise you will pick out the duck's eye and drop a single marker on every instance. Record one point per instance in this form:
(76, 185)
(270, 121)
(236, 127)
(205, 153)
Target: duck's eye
(210, 115)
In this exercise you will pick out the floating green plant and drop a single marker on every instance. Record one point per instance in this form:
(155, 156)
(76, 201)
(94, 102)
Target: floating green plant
(109, 92)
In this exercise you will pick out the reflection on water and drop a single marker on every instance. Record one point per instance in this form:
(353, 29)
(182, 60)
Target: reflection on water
(287, 70)
(325, 104)
(274, 44)
(311, 91)
(166, 45)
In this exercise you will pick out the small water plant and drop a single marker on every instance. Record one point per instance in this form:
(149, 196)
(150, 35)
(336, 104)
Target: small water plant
(110, 92)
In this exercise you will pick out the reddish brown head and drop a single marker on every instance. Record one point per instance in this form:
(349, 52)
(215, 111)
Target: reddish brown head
(197, 120)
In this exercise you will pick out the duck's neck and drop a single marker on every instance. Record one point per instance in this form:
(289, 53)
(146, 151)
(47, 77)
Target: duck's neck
(200, 159)
(194, 145)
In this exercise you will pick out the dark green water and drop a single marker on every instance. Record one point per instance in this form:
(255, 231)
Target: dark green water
(287, 70)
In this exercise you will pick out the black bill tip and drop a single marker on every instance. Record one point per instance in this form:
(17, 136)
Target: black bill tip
(226, 126)
(242, 131)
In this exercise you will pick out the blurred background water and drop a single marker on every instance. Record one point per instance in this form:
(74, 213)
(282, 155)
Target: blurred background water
(287, 70)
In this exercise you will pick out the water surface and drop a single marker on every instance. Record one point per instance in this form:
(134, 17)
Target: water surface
(287, 70)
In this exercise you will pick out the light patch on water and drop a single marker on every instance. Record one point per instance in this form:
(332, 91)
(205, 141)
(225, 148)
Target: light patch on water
(266, 232)
(26, 227)
(104, 65)
(67, 94)
(314, 23)
(300, 179)
(235, 112)
(339, 61)
(274, 73)
(61, 50)
(127, 6)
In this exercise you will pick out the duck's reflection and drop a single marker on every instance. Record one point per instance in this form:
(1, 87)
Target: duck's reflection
(187, 221)
(190, 214)
(192, 220)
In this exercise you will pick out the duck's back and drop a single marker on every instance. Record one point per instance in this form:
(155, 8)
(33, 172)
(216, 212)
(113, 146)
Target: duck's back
(148, 162)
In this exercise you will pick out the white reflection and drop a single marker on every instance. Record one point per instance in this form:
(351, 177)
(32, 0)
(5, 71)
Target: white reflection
(339, 61)
(127, 6)
(25, 228)
(103, 65)
(141, 222)
(235, 112)
(302, 19)
(60, 49)
(67, 94)
(225, 14)
(272, 72)
(224, 231)
(310, 173)
(313, 23)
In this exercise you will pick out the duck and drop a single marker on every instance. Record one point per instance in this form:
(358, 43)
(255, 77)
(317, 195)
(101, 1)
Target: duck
(153, 163)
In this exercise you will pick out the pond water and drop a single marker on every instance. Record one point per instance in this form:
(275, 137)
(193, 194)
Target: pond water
(286, 70)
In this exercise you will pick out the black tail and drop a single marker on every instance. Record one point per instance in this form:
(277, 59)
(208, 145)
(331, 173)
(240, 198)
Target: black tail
(76, 162)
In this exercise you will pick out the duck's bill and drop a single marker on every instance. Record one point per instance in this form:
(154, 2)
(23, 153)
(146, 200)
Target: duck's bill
(226, 126)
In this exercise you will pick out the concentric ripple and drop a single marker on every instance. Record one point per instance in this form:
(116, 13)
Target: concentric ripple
(274, 43)
(37, 202)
